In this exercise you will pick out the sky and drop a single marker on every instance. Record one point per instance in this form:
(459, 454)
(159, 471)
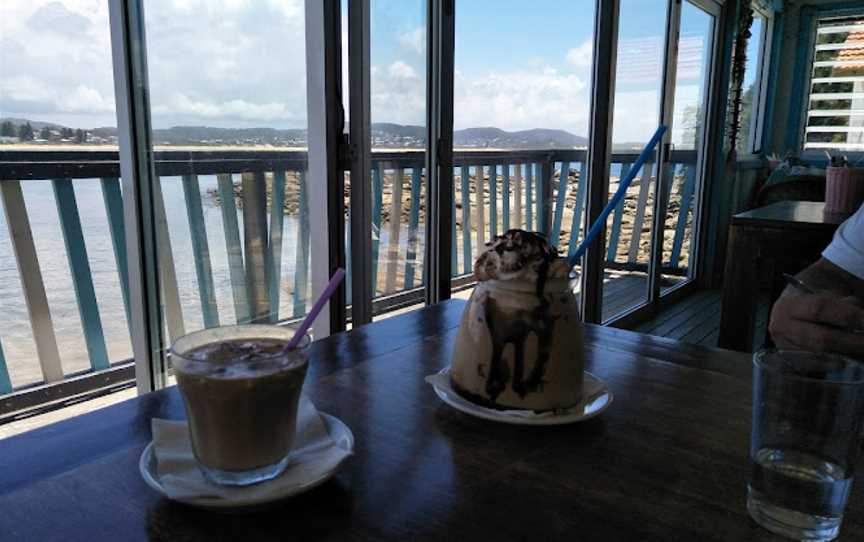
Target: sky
(242, 63)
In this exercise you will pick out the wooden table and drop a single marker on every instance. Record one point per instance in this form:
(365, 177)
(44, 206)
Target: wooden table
(789, 235)
(668, 460)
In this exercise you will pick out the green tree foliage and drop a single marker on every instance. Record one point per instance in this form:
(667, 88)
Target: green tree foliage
(7, 129)
(691, 123)
(80, 136)
(25, 132)
(742, 144)
(45, 133)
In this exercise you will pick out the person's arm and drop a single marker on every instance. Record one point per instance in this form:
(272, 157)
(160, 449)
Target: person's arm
(831, 320)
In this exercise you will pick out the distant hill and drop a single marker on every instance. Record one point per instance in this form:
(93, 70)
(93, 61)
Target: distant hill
(383, 135)
(537, 138)
(400, 130)
(187, 134)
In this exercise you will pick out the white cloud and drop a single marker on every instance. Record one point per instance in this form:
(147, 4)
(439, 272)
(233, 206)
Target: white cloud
(414, 40)
(522, 99)
(398, 94)
(55, 17)
(401, 70)
(182, 106)
(636, 116)
(246, 56)
(84, 99)
(582, 56)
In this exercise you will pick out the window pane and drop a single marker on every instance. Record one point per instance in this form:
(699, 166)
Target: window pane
(638, 85)
(398, 133)
(520, 123)
(228, 103)
(835, 115)
(60, 245)
(683, 180)
(751, 88)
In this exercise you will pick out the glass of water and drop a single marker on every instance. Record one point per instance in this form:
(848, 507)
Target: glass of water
(807, 415)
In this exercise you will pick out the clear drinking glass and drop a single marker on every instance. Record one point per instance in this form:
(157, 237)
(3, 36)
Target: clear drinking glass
(241, 390)
(807, 414)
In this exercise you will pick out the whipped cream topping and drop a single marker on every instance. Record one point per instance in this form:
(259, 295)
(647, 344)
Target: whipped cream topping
(519, 255)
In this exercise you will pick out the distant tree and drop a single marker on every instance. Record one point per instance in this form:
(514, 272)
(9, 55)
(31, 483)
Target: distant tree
(743, 141)
(7, 129)
(45, 133)
(25, 132)
(67, 133)
(80, 136)
(691, 122)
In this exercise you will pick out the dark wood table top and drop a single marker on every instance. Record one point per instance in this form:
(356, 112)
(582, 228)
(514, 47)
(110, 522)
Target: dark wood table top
(791, 214)
(667, 461)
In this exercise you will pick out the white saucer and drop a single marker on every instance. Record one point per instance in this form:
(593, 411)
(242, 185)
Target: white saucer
(338, 431)
(597, 399)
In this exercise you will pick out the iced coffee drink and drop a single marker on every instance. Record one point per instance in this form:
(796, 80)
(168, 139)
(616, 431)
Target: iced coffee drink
(520, 341)
(241, 390)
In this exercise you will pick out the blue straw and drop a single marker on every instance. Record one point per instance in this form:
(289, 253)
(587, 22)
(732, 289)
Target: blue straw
(619, 194)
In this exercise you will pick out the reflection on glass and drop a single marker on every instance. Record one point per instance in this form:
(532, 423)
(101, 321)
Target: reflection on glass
(228, 100)
(751, 88)
(691, 87)
(638, 84)
(835, 104)
(398, 141)
(520, 123)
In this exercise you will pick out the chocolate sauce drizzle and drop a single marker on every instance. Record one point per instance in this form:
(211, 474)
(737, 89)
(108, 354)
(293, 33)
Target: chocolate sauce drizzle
(514, 329)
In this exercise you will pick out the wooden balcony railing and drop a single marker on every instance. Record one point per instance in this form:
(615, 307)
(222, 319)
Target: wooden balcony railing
(493, 191)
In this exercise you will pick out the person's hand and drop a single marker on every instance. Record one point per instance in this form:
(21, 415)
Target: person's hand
(820, 322)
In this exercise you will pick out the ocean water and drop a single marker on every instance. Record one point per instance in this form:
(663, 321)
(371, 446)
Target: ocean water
(15, 332)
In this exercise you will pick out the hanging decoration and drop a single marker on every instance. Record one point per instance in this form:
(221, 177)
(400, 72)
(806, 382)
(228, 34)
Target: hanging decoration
(739, 65)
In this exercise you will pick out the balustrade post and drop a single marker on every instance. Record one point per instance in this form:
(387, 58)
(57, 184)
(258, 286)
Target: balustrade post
(544, 197)
(255, 245)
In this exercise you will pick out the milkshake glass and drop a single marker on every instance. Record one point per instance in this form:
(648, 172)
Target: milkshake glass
(520, 346)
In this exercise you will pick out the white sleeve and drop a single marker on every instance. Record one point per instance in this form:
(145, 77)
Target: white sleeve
(846, 250)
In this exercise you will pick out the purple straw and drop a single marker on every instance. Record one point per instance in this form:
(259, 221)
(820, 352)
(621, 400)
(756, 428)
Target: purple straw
(316, 308)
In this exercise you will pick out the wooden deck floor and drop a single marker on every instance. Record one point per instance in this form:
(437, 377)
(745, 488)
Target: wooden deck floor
(696, 319)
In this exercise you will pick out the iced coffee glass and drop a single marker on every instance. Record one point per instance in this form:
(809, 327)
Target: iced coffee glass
(241, 390)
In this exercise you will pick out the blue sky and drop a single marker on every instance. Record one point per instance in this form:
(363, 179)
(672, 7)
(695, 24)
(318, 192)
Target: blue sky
(517, 67)
(519, 64)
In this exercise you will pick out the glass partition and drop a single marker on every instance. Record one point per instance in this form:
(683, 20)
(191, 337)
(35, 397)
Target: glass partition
(63, 296)
(638, 95)
(398, 145)
(521, 99)
(228, 112)
(688, 133)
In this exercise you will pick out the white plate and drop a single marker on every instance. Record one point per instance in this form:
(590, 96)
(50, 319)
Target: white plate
(596, 401)
(338, 431)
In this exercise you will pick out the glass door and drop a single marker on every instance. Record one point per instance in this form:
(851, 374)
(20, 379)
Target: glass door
(663, 73)
(684, 178)
(213, 120)
(521, 116)
(397, 141)
(638, 108)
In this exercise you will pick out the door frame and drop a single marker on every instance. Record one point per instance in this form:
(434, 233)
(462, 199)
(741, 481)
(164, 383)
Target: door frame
(656, 299)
